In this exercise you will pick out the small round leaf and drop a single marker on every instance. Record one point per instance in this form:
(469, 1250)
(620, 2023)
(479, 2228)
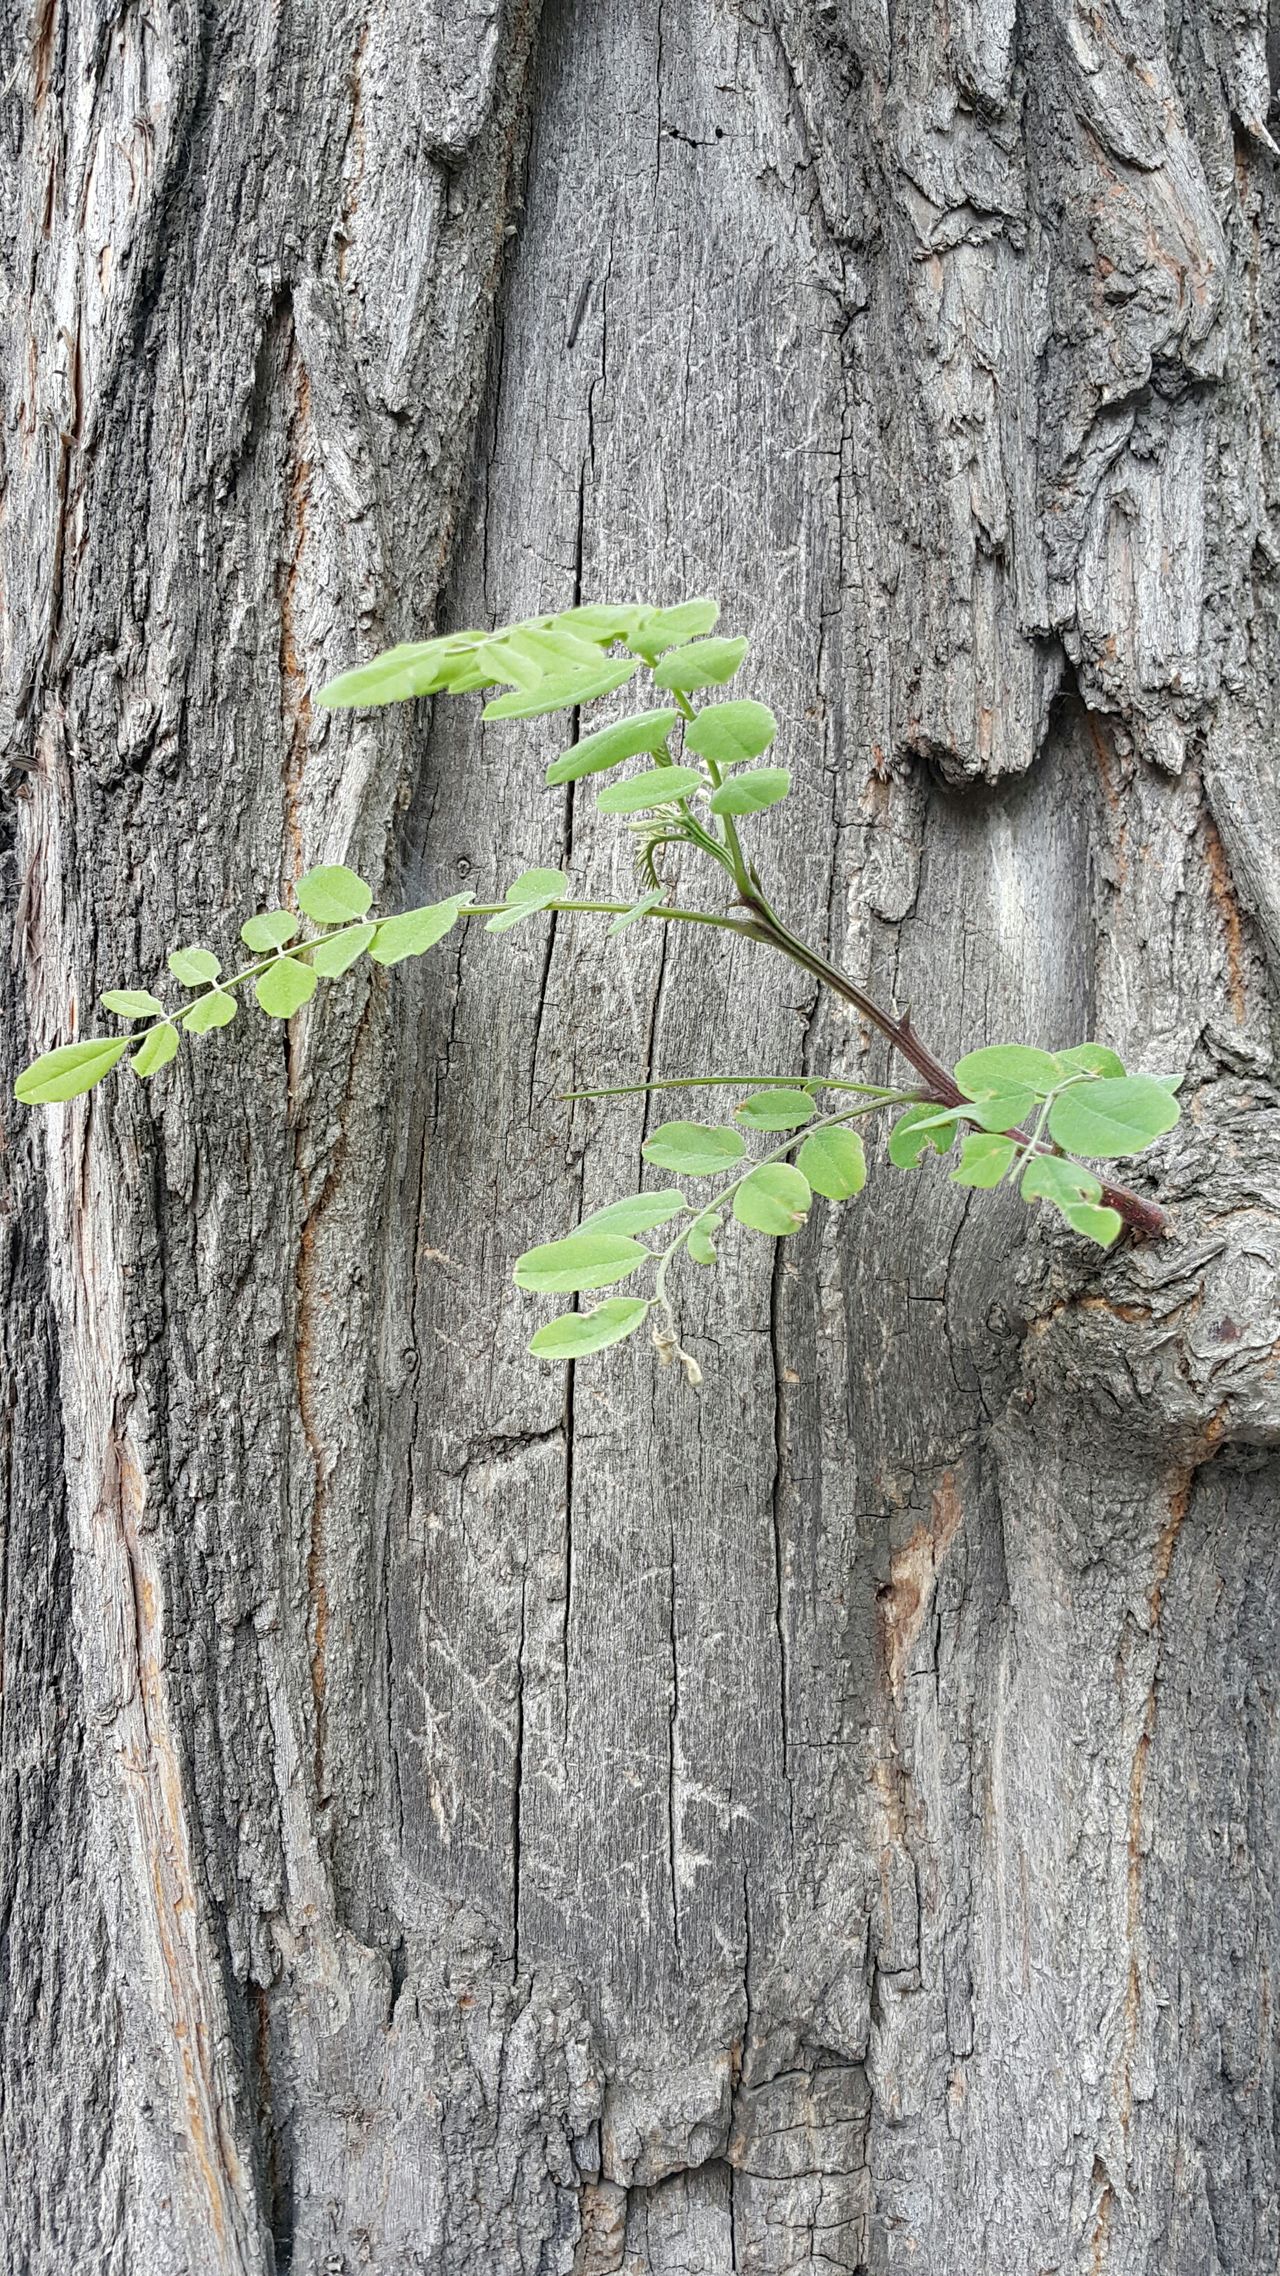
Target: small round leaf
(774, 1199)
(776, 1110)
(1008, 1067)
(285, 987)
(702, 664)
(835, 1163)
(193, 966)
(728, 733)
(1121, 1114)
(751, 792)
(333, 896)
(217, 1009)
(155, 1050)
(272, 930)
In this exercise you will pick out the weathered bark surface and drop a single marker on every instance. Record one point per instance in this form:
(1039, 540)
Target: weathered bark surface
(831, 1823)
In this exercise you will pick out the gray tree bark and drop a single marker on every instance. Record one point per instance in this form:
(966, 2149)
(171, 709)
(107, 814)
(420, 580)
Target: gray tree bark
(454, 1824)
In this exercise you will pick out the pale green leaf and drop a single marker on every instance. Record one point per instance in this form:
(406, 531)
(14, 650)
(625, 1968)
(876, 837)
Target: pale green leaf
(217, 1009)
(71, 1069)
(751, 792)
(776, 1109)
(1049, 1177)
(333, 895)
(1120, 1114)
(575, 1334)
(984, 1159)
(728, 733)
(919, 1128)
(693, 1149)
(1002, 1110)
(559, 691)
(156, 1050)
(1094, 1058)
(584, 1260)
(336, 955)
(609, 746)
(1094, 1224)
(703, 664)
(639, 1213)
(1008, 1067)
(416, 667)
(774, 1199)
(653, 630)
(700, 1244)
(193, 966)
(416, 930)
(285, 987)
(534, 889)
(835, 1163)
(272, 930)
(132, 1003)
(655, 788)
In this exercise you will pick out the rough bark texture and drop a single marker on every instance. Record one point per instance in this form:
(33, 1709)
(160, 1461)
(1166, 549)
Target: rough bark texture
(833, 1823)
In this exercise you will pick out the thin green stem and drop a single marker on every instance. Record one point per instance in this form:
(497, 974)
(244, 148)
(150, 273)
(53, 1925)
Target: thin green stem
(740, 1082)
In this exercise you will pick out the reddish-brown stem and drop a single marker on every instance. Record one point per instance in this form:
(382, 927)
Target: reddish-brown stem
(940, 1084)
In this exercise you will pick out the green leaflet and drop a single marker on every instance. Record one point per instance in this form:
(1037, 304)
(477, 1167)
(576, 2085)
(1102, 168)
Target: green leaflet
(699, 1244)
(155, 1050)
(584, 1260)
(1093, 1058)
(559, 691)
(68, 1071)
(285, 987)
(333, 895)
(1008, 1067)
(751, 792)
(1076, 1192)
(534, 889)
(1121, 1114)
(658, 787)
(984, 1159)
(641, 908)
(776, 1110)
(835, 1163)
(193, 966)
(639, 1213)
(416, 930)
(416, 667)
(273, 930)
(915, 1131)
(703, 664)
(774, 1199)
(215, 1010)
(609, 746)
(336, 955)
(693, 1149)
(575, 1334)
(132, 1003)
(653, 630)
(728, 733)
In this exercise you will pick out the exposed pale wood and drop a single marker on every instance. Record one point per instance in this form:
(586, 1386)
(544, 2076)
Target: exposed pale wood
(454, 1825)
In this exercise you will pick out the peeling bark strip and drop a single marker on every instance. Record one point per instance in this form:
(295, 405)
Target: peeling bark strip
(829, 1825)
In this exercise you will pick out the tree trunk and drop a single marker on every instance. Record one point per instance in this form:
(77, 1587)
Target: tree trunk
(454, 1823)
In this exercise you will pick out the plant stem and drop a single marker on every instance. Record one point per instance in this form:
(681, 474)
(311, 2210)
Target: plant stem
(1142, 1215)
